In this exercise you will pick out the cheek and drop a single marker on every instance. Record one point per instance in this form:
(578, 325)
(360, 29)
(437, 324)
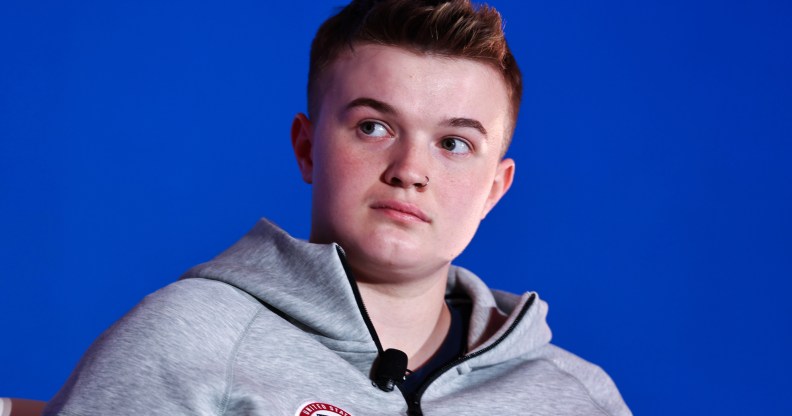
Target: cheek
(469, 191)
(465, 200)
(341, 175)
(462, 215)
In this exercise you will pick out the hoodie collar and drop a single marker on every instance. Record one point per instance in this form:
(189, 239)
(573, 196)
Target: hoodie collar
(503, 324)
(306, 284)
(303, 282)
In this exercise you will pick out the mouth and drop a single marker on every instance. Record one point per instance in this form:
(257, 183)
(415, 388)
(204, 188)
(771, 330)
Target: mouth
(402, 210)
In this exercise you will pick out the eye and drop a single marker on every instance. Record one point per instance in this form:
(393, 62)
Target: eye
(373, 129)
(455, 145)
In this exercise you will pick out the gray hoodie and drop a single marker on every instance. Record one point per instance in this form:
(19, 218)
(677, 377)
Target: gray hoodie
(275, 326)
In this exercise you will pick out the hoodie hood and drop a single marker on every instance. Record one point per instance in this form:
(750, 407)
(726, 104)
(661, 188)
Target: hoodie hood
(302, 282)
(307, 285)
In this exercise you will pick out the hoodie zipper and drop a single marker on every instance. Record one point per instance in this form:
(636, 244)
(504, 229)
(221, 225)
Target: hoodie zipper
(414, 404)
(359, 299)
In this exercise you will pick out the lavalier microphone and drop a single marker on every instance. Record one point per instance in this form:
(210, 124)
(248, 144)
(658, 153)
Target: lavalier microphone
(391, 369)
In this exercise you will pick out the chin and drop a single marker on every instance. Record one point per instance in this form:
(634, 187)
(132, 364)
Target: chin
(386, 251)
(383, 261)
(373, 255)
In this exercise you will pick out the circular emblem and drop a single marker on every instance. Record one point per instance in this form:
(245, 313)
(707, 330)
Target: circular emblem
(320, 409)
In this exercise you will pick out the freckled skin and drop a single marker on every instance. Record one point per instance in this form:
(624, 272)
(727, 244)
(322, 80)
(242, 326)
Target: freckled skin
(357, 157)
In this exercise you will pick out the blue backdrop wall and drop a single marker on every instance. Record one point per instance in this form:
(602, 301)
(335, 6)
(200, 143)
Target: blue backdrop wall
(651, 206)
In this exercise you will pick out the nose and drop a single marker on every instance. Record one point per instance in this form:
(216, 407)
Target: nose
(408, 167)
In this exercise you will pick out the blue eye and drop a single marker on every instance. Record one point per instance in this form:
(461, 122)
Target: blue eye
(373, 129)
(455, 145)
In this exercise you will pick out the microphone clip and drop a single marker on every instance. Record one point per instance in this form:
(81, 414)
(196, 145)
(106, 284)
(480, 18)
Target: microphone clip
(390, 369)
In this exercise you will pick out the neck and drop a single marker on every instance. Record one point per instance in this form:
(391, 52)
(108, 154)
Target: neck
(412, 317)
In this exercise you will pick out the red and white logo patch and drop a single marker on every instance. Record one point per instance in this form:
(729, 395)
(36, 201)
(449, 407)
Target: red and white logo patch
(320, 409)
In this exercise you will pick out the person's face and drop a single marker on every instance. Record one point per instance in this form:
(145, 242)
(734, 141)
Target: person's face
(404, 157)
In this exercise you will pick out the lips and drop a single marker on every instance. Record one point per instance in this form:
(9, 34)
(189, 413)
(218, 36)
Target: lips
(402, 209)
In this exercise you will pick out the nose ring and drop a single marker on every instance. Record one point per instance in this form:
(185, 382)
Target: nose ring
(423, 185)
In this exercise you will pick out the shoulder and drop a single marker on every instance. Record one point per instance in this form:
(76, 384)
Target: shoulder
(182, 335)
(188, 309)
(197, 297)
(597, 383)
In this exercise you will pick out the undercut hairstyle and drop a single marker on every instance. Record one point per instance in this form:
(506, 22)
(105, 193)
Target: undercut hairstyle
(451, 28)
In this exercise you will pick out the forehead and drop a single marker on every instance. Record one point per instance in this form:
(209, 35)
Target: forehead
(417, 83)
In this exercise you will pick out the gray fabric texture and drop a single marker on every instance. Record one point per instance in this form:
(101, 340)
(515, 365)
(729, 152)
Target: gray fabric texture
(272, 323)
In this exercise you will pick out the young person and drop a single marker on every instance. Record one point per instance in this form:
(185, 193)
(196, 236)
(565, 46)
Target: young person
(411, 108)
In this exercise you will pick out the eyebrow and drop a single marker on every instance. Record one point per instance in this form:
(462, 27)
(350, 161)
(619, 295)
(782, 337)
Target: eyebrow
(370, 102)
(388, 109)
(467, 122)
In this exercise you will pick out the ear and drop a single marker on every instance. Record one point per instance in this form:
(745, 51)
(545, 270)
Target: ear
(302, 143)
(504, 175)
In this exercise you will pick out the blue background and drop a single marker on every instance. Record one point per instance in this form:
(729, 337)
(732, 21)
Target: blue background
(651, 207)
